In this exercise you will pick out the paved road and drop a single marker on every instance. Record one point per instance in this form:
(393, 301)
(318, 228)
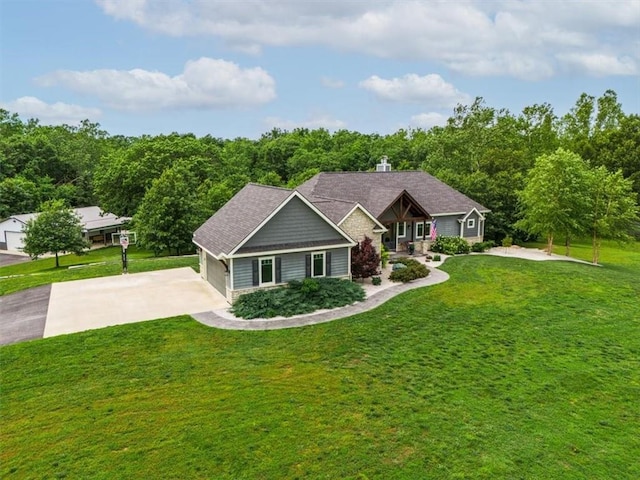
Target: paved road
(10, 259)
(23, 314)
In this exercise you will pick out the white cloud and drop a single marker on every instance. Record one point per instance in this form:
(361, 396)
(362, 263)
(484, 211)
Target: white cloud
(50, 113)
(431, 90)
(600, 64)
(332, 82)
(204, 83)
(428, 120)
(316, 121)
(526, 39)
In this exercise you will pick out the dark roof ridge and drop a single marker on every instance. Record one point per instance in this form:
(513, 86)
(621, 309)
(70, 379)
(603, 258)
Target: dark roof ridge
(368, 171)
(323, 197)
(271, 186)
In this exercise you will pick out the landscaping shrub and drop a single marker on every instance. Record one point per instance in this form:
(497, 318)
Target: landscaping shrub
(365, 261)
(297, 298)
(412, 271)
(384, 256)
(450, 245)
(507, 241)
(437, 258)
(480, 247)
(376, 281)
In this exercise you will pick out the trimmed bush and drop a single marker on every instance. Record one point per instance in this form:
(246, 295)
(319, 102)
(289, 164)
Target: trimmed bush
(298, 298)
(480, 247)
(412, 271)
(507, 242)
(451, 245)
(437, 258)
(376, 281)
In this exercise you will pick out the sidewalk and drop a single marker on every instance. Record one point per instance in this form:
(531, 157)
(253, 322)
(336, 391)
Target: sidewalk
(376, 295)
(530, 254)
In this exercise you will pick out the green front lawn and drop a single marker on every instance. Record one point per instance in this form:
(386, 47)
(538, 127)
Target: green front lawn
(96, 263)
(612, 253)
(512, 369)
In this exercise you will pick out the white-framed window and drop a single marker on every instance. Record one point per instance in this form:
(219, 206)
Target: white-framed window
(267, 271)
(317, 264)
(419, 231)
(402, 229)
(471, 223)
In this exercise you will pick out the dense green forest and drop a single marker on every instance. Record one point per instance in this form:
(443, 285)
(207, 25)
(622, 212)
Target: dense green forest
(179, 179)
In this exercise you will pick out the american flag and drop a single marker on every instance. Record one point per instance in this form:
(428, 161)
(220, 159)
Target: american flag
(434, 230)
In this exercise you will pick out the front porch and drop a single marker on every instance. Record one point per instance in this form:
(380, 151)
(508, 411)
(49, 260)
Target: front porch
(406, 223)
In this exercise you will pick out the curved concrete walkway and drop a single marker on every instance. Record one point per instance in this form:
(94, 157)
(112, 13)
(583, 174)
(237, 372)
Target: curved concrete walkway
(225, 320)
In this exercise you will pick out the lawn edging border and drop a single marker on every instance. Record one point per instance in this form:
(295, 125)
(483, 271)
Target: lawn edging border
(225, 321)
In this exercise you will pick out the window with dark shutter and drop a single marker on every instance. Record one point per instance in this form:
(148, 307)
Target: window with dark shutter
(255, 273)
(327, 257)
(278, 270)
(307, 265)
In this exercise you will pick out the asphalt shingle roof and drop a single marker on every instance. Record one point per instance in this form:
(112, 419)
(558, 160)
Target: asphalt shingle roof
(376, 190)
(240, 216)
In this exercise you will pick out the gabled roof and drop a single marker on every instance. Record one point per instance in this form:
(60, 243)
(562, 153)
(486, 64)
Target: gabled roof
(379, 228)
(231, 227)
(376, 190)
(239, 217)
(464, 219)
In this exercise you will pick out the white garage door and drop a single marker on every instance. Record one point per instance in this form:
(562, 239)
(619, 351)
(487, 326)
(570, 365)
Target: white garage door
(15, 240)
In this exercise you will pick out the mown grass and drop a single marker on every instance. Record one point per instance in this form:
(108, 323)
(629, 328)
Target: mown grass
(512, 369)
(612, 253)
(96, 263)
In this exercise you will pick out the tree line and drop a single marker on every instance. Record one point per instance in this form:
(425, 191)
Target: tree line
(169, 184)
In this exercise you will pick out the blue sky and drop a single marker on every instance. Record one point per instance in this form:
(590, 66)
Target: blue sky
(240, 68)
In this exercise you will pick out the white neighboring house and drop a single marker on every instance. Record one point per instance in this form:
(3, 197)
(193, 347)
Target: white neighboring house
(97, 227)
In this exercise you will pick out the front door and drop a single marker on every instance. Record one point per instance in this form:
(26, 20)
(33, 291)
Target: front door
(389, 237)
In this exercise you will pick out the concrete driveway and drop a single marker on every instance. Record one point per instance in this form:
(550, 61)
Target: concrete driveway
(102, 302)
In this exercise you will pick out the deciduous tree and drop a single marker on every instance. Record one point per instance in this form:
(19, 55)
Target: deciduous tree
(555, 198)
(170, 212)
(56, 229)
(613, 208)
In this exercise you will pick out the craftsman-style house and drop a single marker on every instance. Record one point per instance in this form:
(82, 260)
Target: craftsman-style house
(266, 236)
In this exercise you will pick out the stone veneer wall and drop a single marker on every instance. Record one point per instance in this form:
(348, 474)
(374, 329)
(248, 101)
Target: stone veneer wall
(358, 225)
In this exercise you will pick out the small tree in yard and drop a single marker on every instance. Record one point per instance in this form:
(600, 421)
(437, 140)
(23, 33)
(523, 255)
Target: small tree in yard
(365, 261)
(613, 208)
(56, 229)
(555, 199)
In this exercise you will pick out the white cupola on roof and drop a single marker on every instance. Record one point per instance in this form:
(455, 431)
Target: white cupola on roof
(384, 165)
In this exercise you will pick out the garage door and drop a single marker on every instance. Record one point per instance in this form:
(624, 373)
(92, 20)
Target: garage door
(216, 275)
(15, 240)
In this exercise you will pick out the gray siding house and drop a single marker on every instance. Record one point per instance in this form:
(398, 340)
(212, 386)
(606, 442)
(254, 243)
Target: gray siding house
(266, 236)
(408, 204)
